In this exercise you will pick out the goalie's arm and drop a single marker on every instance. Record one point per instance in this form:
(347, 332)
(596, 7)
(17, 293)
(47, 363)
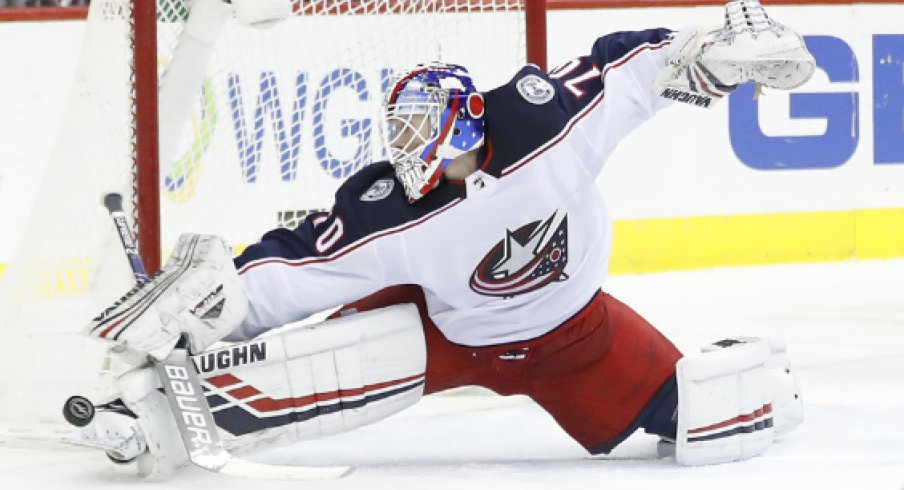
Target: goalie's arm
(606, 94)
(329, 260)
(286, 279)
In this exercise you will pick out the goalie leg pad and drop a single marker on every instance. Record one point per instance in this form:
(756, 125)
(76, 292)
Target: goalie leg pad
(313, 381)
(724, 404)
(309, 382)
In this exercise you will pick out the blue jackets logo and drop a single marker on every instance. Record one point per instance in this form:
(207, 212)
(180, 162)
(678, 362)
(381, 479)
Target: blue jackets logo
(379, 190)
(525, 260)
(535, 90)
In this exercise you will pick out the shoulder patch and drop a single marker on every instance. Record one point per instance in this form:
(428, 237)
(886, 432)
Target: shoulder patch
(379, 190)
(535, 90)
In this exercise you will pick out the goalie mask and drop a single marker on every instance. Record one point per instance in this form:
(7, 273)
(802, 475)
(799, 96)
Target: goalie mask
(431, 115)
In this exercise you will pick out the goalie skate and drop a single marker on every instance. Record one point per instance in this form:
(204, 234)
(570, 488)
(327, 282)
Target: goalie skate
(138, 427)
(113, 429)
(749, 47)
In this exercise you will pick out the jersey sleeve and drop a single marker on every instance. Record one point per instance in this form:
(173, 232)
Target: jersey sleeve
(610, 90)
(329, 260)
(589, 103)
(627, 63)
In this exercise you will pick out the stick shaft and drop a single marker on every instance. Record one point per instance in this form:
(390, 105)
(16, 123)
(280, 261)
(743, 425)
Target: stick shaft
(113, 203)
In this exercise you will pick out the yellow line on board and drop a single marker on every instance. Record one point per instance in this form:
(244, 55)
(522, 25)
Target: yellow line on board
(880, 233)
(660, 244)
(651, 245)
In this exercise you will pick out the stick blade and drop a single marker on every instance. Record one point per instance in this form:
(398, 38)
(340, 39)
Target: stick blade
(250, 469)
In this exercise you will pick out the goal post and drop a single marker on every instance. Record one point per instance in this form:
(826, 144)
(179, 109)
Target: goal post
(278, 118)
(146, 163)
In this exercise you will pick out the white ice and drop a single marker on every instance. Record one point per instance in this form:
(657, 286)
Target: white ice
(844, 324)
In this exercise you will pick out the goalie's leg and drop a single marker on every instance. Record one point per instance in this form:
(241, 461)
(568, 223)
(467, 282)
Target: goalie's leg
(309, 382)
(608, 372)
(734, 399)
(136, 427)
(315, 381)
(601, 375)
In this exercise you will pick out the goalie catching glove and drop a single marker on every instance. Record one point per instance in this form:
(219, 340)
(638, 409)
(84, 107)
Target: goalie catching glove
(750, 47)
(196, 293)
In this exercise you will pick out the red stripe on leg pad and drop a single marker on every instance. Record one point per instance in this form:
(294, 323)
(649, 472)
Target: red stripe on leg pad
(223, 380)
(244, 392)
(740, 418)
(268, 404)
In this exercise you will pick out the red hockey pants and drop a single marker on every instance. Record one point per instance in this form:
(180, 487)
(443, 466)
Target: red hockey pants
(594, 373)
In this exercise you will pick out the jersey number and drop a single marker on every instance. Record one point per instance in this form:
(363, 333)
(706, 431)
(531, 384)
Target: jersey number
(332, 234)
(572, 82)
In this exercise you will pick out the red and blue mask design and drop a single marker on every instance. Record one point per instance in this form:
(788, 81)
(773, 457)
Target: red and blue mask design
(432, 115)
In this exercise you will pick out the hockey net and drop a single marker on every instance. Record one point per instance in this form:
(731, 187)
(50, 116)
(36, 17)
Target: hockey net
(279, 118)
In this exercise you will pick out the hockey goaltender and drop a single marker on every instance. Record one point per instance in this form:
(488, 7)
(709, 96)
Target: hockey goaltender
(475, 255)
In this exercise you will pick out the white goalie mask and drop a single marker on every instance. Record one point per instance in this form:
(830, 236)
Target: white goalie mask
(431, 115)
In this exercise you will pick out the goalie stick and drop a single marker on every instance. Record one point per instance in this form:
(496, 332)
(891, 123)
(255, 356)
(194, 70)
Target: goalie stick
(113, 203)
(186, 397)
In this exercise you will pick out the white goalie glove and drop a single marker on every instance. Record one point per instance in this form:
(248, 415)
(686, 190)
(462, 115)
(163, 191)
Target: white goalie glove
(709, 63)
(196, 293)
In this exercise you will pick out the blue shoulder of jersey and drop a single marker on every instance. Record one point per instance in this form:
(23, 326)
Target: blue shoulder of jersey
(369, 203)
(534, 107)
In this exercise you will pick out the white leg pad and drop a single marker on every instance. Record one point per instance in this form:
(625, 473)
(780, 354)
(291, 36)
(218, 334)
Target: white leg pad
(724, 404)
(316, 380)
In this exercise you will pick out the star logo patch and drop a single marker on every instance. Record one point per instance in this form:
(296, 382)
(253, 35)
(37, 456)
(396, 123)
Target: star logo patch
(525, 260)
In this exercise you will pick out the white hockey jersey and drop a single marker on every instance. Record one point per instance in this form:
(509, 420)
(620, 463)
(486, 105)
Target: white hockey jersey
(507, 254)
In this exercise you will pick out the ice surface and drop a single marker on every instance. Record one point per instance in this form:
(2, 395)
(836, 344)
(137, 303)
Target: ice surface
(844, 324)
